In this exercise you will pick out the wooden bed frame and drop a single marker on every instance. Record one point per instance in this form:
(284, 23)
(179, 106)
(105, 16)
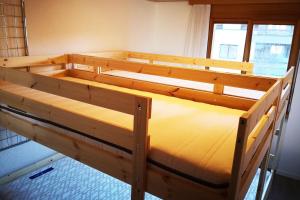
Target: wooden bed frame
(42, 73)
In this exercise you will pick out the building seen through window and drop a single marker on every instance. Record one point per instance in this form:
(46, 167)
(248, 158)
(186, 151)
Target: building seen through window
(229, 41)
(270, 46)
(270, 49)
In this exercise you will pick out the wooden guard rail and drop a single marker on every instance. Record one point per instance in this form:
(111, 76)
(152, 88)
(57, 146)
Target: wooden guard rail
(218, 79)
(234, 80)
(286, 89)
(244, 67)
(258, 123)
(138, 106)
(33, 61)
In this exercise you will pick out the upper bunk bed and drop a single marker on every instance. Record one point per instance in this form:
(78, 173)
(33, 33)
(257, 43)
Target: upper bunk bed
(145, 133)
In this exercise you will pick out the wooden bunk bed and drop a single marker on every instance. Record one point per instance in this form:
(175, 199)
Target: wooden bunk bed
(130, 129)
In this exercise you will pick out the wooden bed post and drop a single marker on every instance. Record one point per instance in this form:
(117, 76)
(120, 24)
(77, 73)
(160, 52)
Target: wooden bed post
(239, 152)
(140, 148)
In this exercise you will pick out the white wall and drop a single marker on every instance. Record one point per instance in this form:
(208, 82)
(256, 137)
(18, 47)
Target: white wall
(60, 26)
(171, 27)
(289, 163)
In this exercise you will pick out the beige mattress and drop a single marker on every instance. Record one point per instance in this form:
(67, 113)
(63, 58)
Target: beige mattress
(191, 139)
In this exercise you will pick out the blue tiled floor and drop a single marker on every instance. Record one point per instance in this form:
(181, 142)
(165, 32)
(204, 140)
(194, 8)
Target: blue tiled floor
(73, 180)
(69, 180)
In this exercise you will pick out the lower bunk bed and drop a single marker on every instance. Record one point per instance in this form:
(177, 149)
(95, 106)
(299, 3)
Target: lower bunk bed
(171, 147)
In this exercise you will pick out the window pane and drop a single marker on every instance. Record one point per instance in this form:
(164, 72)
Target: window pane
(229, 41)
(270, 49)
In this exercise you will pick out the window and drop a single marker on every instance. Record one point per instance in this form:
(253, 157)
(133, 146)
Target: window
(229, 41)
(270, 49)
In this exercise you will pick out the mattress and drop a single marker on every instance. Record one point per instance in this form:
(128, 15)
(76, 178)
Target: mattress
(191, 139)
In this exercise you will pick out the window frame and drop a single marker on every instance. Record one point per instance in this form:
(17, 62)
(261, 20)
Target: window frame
(250, 24)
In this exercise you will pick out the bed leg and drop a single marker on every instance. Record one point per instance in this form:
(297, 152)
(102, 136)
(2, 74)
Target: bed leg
(140, 149)
(262, 176)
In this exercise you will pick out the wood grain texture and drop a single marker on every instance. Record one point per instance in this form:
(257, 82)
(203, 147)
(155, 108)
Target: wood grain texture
(288, 78)
(235, 80)
(180, 92)
(262, 106)
(243, 66)
(105, 131)
(110, 99)
(141, 148)
(33, 61)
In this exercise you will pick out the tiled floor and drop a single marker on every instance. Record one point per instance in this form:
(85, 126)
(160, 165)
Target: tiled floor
(72, 180)
(68, 180)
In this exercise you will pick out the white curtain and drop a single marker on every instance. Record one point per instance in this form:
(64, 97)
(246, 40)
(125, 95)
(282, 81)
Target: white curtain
(197, 31)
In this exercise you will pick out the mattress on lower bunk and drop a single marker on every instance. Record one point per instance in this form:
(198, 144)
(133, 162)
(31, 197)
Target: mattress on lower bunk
(191, 139)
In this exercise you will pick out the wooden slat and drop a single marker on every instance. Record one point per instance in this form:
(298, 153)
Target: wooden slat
(33, 61)
(218, 89)
(288, 78)
(284, 96)
(243, 66)
(88, 60)
(12, 96)
(45, 68)
(262, 106)
(109, 54)
(184, 93)
(235, 80)
(281, 113)
(111, 99)
(258, 134)
(162, 58)
(39, 67)
(54, 73)
(141, 148)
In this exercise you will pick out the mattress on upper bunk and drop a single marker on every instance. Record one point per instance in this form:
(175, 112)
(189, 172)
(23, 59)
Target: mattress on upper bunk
(191, 139)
